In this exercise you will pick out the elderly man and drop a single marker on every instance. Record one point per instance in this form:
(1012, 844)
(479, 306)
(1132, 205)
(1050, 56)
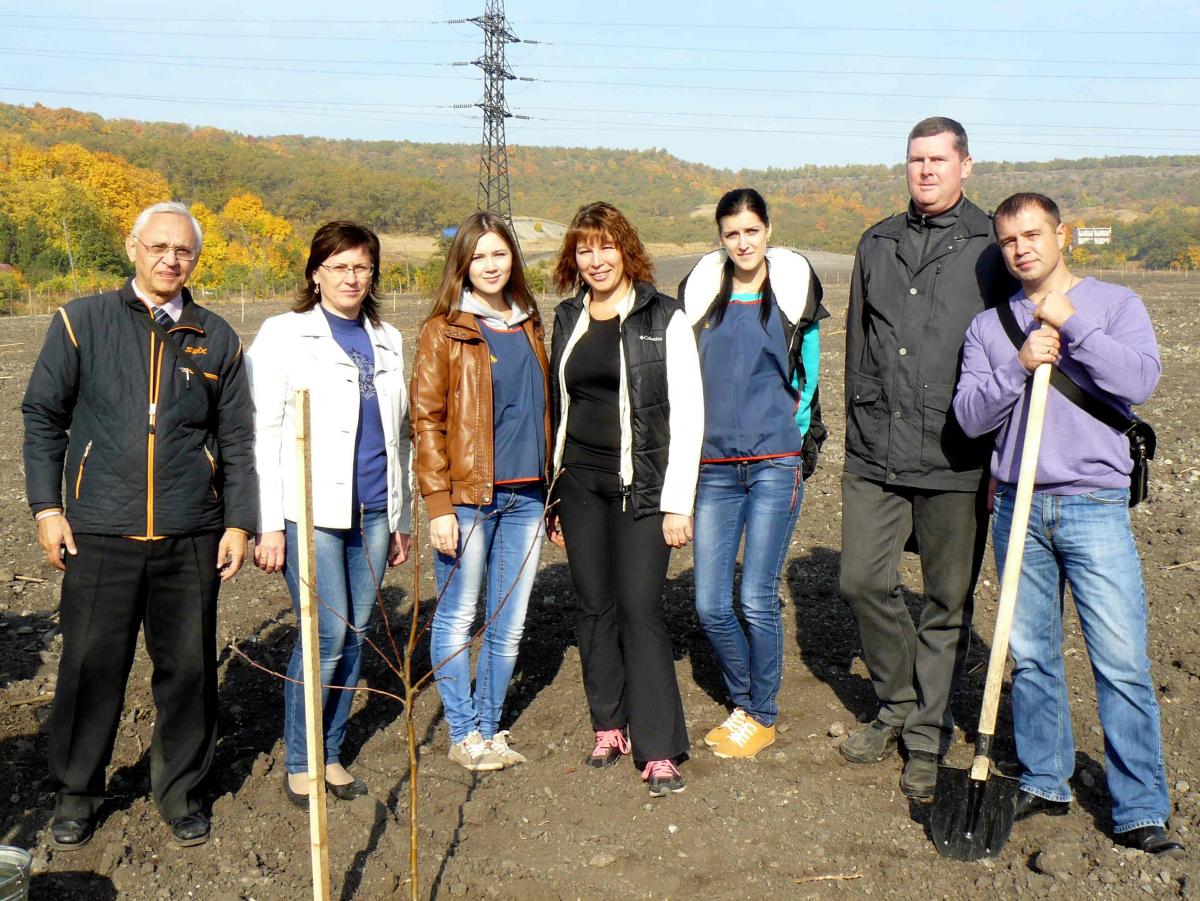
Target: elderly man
(920, 277)
(139, 398)
(1102, 340)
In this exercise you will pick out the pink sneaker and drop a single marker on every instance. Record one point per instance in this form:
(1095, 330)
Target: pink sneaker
(611, 746)
(663, 777)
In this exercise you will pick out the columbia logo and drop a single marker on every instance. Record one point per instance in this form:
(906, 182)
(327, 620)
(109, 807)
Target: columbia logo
(649, 337)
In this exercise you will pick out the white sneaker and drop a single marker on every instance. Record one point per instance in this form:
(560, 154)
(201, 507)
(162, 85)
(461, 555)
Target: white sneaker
(498, 744)
(473, 753)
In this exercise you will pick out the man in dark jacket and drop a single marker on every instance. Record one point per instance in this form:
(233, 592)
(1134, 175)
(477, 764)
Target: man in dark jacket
(911, 473)
(139, 398)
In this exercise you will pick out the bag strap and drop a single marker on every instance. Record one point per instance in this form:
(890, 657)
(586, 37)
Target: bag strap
(177, 353)
(1064, 384)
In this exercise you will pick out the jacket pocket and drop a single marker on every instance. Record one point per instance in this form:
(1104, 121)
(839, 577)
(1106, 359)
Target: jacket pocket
(82, 464)
(944, 445)
(864, 425)
(935, 403)
(212, 465)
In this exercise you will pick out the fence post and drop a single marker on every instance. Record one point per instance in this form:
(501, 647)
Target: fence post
(310, 641)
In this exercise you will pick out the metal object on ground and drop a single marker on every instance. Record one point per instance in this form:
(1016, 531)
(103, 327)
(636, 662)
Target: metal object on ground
(972, 809)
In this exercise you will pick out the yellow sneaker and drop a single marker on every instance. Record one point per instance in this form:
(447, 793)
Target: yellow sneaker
(745, 739)
(720, 733)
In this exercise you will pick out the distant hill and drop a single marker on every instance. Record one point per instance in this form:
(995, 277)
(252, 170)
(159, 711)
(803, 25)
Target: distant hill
(400, 186)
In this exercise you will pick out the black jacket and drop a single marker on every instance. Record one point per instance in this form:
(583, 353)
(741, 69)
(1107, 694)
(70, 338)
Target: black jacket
(643, 336)
(904, 334)
(152, 441)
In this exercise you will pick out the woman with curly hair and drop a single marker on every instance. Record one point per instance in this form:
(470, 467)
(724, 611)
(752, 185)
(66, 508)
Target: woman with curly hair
(627, 426)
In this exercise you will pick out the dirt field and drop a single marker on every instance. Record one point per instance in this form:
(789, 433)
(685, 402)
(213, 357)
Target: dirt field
(797, 823)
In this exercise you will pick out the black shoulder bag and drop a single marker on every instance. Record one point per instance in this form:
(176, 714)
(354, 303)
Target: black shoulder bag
(1141, 436)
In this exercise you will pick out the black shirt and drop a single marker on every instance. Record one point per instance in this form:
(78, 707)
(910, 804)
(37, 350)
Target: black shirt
(593, 378)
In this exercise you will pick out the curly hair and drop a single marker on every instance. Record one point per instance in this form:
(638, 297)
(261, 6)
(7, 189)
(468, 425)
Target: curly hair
(601, 221)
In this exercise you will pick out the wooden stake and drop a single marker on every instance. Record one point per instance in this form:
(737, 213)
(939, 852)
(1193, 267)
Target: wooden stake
(313, 715)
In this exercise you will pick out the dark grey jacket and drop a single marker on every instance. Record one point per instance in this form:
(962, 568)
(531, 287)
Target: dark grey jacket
(904, 335)
(153, 442)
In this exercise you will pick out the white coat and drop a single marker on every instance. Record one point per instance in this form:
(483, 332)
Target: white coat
(298, 350)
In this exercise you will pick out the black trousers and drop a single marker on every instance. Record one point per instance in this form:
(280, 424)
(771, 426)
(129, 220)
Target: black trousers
(618, 565)
(913, 668)
(113, 587)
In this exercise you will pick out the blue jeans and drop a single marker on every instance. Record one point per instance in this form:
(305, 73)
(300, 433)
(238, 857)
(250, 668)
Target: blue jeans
(350, 567)
(763, 499)
(1084, 540)
(504, 539)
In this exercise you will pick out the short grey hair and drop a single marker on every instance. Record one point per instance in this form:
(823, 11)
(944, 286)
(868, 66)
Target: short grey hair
(175, 208)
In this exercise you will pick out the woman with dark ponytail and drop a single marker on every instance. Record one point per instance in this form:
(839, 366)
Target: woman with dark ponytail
(755, 311)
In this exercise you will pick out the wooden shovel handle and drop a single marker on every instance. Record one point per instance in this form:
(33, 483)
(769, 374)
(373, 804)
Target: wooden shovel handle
(1011, 581)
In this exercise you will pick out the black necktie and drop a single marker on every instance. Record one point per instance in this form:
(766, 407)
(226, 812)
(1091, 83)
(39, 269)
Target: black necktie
(163, 318)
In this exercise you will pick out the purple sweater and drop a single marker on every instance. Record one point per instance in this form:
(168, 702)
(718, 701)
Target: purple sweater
(1108, 349)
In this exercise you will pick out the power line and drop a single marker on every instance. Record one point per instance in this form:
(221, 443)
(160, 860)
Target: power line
(733, 70)
(593, 24)
(766, 51)
(326, 38)
(288, 21)
(855, 119)
(227, 62)
(924, 97)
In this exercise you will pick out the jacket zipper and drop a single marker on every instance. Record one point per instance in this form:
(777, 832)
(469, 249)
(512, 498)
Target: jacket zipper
(152, 418)
(79, 476)
(625, 490)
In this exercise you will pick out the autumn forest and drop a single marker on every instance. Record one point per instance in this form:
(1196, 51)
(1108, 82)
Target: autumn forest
(71, 184)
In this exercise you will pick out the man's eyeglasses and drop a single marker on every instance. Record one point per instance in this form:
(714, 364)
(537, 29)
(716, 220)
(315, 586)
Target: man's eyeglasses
(341, 271)
(158, 251)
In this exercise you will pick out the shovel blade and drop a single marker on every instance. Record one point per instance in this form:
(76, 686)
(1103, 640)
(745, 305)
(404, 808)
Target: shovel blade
(971, 818)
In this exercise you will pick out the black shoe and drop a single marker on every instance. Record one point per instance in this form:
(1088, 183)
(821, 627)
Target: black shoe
(870, 744)
(1029, 804)
(920, 775)
(1152, 840)
(348, 791)
(191, 829)
(300, 800)
(69, 833)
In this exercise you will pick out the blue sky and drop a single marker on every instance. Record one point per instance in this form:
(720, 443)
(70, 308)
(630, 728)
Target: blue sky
(737, 85)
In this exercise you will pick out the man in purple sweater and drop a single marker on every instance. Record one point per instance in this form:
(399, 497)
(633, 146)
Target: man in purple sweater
(1101, 337)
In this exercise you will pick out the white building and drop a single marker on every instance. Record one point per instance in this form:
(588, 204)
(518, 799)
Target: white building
(1097, 234)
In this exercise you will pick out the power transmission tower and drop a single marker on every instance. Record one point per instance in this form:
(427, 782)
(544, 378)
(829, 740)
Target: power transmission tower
(494, 194)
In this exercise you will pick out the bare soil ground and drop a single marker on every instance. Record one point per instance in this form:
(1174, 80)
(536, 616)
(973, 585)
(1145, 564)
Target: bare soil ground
(796, 823)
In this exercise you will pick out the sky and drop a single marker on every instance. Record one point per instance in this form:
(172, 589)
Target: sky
(732, 85)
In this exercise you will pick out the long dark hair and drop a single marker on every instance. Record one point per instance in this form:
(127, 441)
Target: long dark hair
(736, 201)
(332, 238)
(447, 299)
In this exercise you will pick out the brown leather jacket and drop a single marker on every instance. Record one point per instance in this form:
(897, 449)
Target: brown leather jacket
(451, 401)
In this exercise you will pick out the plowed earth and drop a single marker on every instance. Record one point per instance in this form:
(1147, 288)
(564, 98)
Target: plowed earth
(797, 822)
